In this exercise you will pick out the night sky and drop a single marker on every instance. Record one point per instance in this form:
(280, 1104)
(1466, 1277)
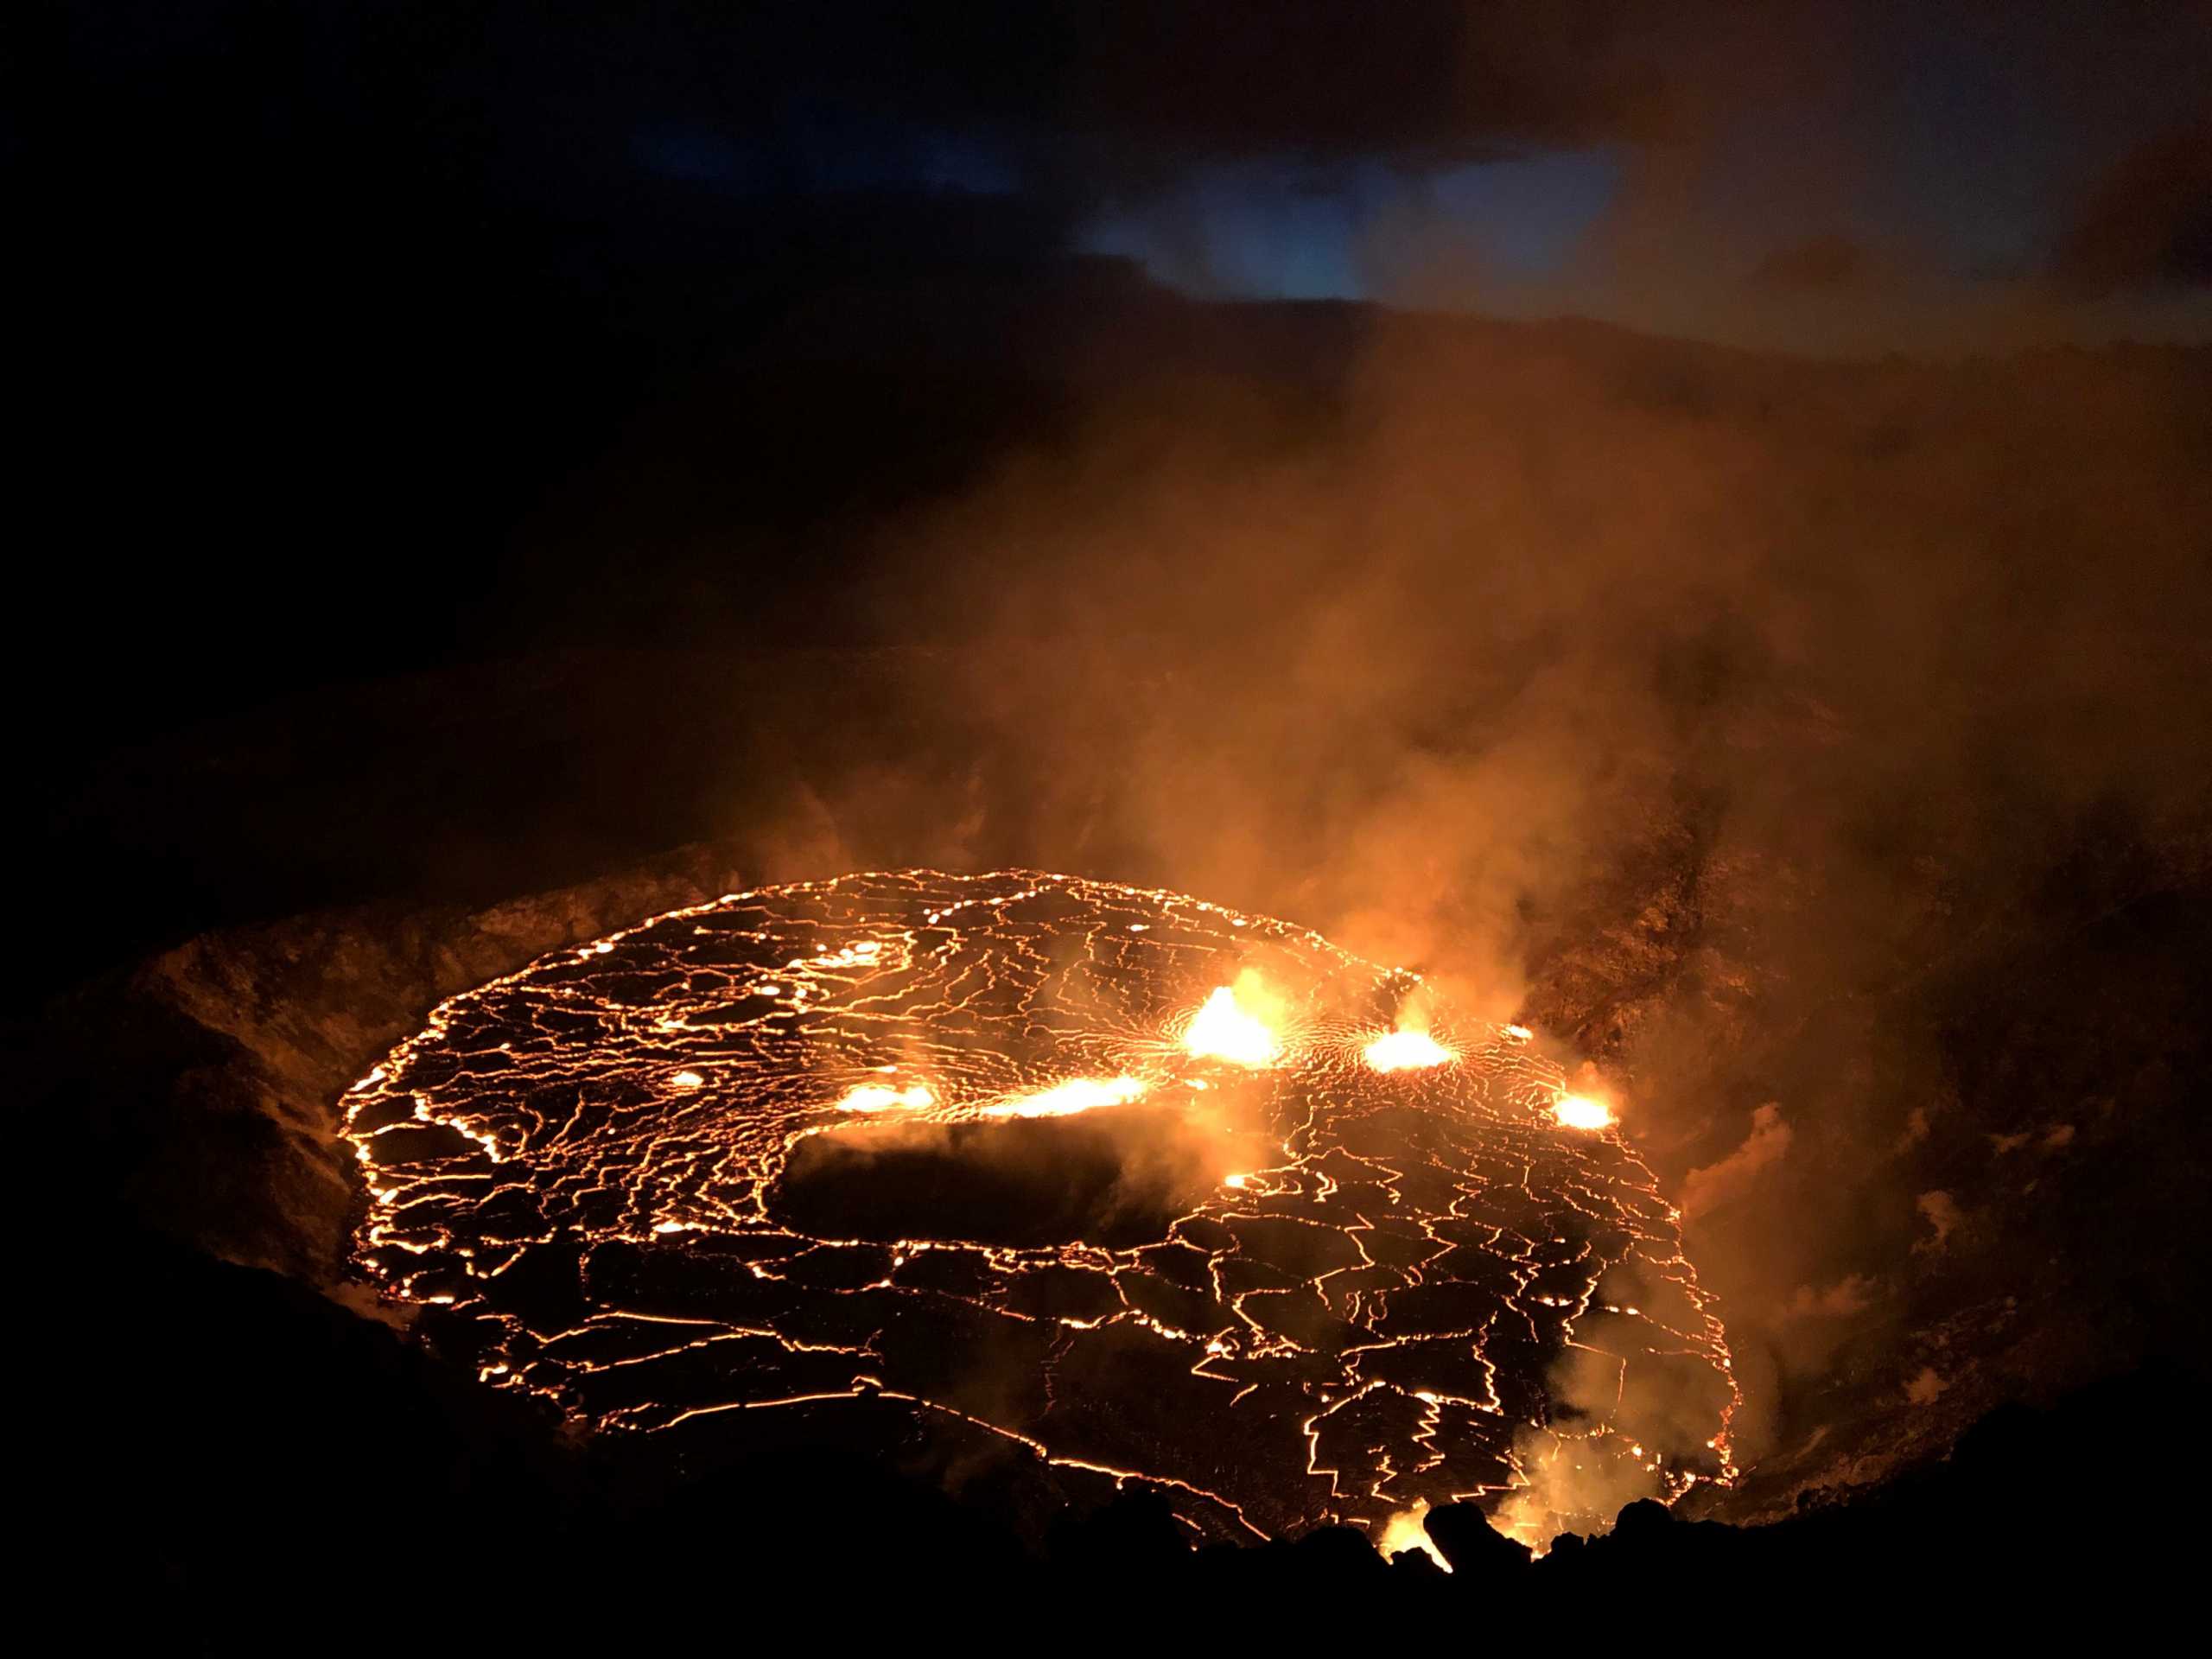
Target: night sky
(1853, 177)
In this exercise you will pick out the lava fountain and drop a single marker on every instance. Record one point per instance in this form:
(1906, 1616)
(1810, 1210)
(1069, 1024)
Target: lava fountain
(1164, 1193)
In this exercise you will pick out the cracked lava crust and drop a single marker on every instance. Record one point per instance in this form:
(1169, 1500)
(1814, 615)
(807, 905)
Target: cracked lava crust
(1167, 1194)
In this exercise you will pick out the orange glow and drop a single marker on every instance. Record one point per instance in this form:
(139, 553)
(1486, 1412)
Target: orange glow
(1405, 1530)
(1406, 1051)
(1228, 1028)
(1076, 1095)
(1580, 1112)
(879, 1098)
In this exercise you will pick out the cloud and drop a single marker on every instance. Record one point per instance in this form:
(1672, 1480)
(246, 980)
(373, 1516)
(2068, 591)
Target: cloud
(1591, 157)
(1942, 1212)
(1153, 85)
(1818, 262)
(1707, 1189)
(2147, 224)
(1841, 1300)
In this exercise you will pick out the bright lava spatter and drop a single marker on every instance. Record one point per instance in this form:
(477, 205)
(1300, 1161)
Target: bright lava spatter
(1356, 1287)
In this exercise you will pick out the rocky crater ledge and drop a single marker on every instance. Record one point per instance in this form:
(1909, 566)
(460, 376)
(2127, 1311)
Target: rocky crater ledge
(206, 1077)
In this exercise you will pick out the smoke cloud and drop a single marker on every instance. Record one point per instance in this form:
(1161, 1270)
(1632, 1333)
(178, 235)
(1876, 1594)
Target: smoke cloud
(1706, 1189)
(1724, 718)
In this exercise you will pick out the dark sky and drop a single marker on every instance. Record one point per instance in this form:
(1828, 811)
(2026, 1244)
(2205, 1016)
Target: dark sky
(1948, 173)
(331, 303)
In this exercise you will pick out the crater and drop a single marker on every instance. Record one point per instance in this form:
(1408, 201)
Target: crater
(1116, 1177)
(1282, 1291)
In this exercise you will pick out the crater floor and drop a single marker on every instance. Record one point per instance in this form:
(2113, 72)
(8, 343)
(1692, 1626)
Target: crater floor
(980, 1148)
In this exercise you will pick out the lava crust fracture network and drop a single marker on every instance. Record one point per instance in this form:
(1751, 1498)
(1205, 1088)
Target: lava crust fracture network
(1165, 1194)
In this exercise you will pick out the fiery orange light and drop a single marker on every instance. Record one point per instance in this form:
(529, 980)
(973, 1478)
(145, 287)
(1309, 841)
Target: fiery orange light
(1405, 1530)
(1406, 1051)
(1076, 1095)
(1226, 1029)
(879, 1098)
(1580, 1112)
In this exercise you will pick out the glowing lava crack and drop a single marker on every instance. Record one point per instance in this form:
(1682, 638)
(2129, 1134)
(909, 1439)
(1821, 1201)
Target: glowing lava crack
(1165, 1194)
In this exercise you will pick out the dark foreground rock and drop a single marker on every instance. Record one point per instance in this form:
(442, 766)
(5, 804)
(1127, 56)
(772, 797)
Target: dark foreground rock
(241, 1440)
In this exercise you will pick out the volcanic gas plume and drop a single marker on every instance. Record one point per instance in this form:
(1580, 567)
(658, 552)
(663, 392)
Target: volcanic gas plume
(1167, 1194)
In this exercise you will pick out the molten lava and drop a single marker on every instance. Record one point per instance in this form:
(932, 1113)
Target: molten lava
(881, 1097)
(1408, 1529)
(1405, 1050)
(1076, 1095)
(1580, 1112)
(1227, 1029)
(1165, 1210)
